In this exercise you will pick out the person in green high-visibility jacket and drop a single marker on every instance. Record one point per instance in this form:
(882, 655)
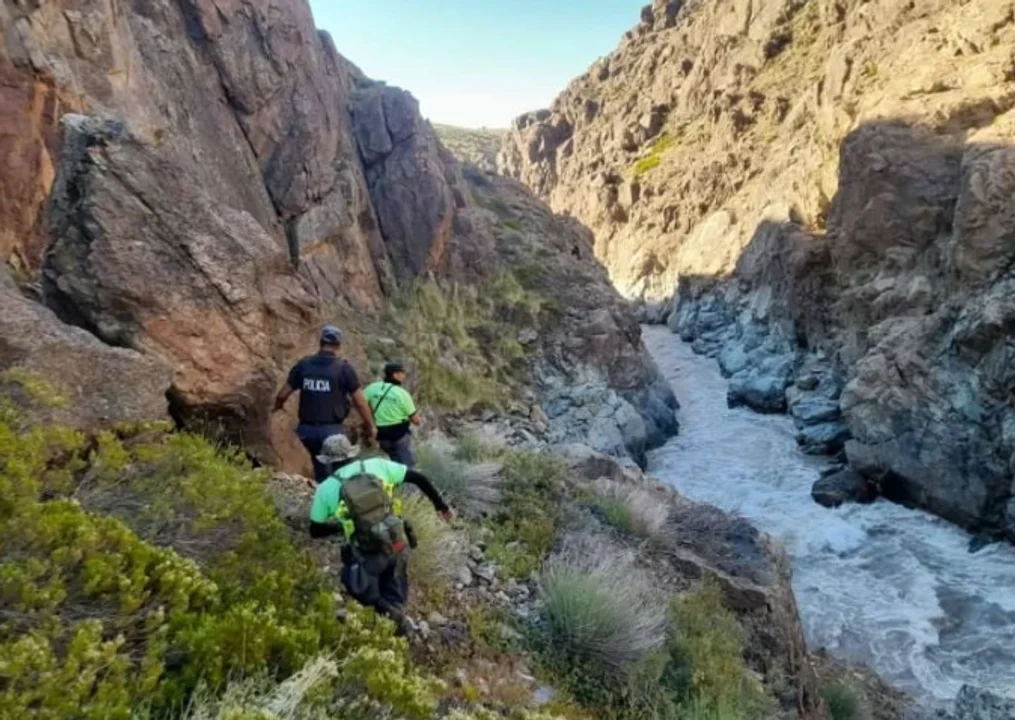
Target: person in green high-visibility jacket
(375, 579)
(394, 414)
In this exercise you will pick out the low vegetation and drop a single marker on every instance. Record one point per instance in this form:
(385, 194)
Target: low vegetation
(478, 146)
(842, 701)
(609, 639)
(441, 551)
(632, 510)
(462, 340)
(655, 154)
(140, 566)
(601, 613)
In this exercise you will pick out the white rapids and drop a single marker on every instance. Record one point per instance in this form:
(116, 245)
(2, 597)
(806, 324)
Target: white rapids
(892, 588)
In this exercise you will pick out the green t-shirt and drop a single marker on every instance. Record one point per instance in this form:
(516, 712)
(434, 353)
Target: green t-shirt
(395, 408)
(328, 496)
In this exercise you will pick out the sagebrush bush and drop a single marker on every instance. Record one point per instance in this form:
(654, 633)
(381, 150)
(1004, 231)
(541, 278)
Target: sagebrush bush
(599, 609)
(841, 699)
(439, 465)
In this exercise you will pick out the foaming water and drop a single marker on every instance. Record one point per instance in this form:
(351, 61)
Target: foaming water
(895, 589)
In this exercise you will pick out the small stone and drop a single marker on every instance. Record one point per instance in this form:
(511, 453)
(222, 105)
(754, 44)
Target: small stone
(502, 598)
(508, 633)
(423, 627)
(528, 336)
(435, 618)
(461, 677)
(463, 576)
(543, 695)
(486, 572)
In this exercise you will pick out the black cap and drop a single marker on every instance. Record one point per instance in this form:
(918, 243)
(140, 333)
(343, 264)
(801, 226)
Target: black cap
(393, 367)
(331, 335)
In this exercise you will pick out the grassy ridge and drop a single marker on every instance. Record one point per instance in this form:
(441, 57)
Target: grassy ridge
(476, 146)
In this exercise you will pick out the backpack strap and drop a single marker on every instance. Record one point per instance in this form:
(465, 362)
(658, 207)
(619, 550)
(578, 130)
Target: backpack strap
(373, 410)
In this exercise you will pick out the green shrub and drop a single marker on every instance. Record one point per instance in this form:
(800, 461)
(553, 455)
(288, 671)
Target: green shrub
(617, 512)
(842, 701)
(518, 546)
(707, 643)
(655, 154)
(37, 389)
(469, 448)
(186, 577)
(523, 528)
(633, 510)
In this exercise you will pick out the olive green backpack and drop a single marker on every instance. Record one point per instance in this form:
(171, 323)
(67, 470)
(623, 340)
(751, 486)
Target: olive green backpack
(377, 530)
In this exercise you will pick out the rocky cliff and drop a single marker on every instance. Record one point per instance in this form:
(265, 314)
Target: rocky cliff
(827, 184)
(192, 186)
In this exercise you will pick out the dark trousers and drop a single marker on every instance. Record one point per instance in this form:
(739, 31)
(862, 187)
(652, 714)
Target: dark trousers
(400, 450)
(378, 581)
(312, 437)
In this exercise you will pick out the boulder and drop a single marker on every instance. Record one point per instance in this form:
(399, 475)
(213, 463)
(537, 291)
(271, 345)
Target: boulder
(974, 703)
(823, 438)
(101, 385)
(762, 387)
(147, 260)
(841, 487)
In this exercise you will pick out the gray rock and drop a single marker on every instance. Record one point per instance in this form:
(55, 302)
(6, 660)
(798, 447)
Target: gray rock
(733, 358)
(762, 387)
(809, 408)
(842, 487)
(975, 703)
(487, 572)
(825, 438)
(463, 576)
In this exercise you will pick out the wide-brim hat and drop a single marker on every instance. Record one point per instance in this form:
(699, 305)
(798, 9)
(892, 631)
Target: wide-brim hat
(336, 449)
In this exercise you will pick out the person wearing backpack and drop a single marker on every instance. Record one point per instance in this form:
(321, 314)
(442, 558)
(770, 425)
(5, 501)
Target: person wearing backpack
(358, 500)
(327, 385)
(394, 414)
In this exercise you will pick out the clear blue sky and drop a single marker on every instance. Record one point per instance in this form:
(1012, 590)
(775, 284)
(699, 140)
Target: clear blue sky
(476, 62)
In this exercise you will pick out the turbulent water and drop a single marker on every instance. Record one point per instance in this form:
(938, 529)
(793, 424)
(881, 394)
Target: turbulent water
(895, 589)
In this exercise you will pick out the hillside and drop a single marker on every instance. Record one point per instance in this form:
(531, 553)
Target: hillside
(191, 188)
(477, 146)
(823, 188)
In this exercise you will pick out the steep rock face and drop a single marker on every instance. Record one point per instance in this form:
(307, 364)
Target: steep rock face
(711, 117)
(204, 182)
(99, 385)
(831, 184)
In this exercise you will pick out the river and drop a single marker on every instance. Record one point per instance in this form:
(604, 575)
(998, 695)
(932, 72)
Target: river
(892, 588)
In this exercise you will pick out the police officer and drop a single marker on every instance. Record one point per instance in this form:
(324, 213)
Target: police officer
(327, 385)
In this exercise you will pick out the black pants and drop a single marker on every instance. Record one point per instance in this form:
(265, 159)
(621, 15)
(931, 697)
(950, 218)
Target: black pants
(400, 450)
(312, 437)
(378, 581)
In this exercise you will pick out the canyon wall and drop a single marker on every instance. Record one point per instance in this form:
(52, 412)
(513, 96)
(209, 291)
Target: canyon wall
(819, 194)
